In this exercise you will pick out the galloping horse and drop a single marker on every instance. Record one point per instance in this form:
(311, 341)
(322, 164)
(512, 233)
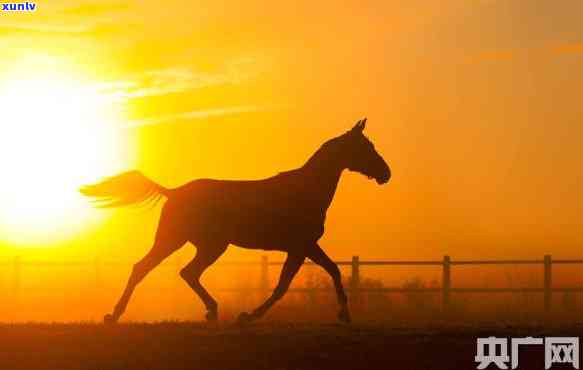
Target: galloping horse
(285, 212)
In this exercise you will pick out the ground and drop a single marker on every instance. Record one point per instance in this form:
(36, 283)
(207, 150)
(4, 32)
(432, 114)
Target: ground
(266, 345)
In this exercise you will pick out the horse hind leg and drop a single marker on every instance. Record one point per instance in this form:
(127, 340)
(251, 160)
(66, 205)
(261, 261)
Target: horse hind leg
(163, 247)
(206, 255)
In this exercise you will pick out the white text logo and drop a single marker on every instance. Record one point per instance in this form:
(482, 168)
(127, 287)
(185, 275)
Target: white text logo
(559, 350)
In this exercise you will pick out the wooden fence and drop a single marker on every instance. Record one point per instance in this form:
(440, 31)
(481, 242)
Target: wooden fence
(356, 264)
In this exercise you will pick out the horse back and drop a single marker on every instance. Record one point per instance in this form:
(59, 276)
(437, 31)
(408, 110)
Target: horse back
(264, 214)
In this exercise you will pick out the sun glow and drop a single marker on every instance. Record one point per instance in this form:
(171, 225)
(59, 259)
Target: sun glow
(55, 135)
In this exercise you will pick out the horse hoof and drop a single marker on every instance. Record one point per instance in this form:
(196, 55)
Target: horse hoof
(212, 316)
(344, 316)
(244, 318)
(109, 319)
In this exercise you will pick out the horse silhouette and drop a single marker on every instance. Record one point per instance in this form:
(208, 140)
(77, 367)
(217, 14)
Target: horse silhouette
(285, 212)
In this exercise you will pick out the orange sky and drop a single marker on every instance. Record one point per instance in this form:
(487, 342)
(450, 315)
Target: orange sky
(474, 105)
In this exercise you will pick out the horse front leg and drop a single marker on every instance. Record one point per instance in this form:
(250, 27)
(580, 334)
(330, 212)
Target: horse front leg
(319, 257)
(290, 269)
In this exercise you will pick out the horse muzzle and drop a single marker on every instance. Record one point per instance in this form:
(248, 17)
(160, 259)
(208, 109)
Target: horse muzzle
(384, 177)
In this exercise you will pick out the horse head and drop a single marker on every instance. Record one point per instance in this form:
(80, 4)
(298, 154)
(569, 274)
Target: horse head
(358, 154)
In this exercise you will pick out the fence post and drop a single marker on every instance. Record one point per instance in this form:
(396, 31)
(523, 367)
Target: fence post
(264, 276)
(311, 285)
(16, 265)
(548, 282)
(355, 279)
(446, 282)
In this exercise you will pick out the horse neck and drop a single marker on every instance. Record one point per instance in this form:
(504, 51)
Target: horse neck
(322, 173)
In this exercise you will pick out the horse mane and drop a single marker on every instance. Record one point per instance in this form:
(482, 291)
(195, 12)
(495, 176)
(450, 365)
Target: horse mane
(313, 158)
(289, 172)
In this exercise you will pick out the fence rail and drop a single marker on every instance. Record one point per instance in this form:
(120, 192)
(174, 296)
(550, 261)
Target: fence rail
(354, 287)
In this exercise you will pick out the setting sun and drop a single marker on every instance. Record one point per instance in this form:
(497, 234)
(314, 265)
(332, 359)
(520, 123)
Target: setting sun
(56, 134)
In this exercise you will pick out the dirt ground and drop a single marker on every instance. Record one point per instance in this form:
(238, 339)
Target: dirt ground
(266, 345)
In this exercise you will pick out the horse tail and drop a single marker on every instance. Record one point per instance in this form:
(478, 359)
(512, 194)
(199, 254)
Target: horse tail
(129, 188)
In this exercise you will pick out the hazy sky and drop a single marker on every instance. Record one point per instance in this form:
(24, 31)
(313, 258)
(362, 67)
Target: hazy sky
(474, 104)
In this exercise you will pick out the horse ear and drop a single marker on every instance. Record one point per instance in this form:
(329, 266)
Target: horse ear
(360, 125)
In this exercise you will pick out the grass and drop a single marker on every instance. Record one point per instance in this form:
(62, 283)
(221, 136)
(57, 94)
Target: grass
(265, 345)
